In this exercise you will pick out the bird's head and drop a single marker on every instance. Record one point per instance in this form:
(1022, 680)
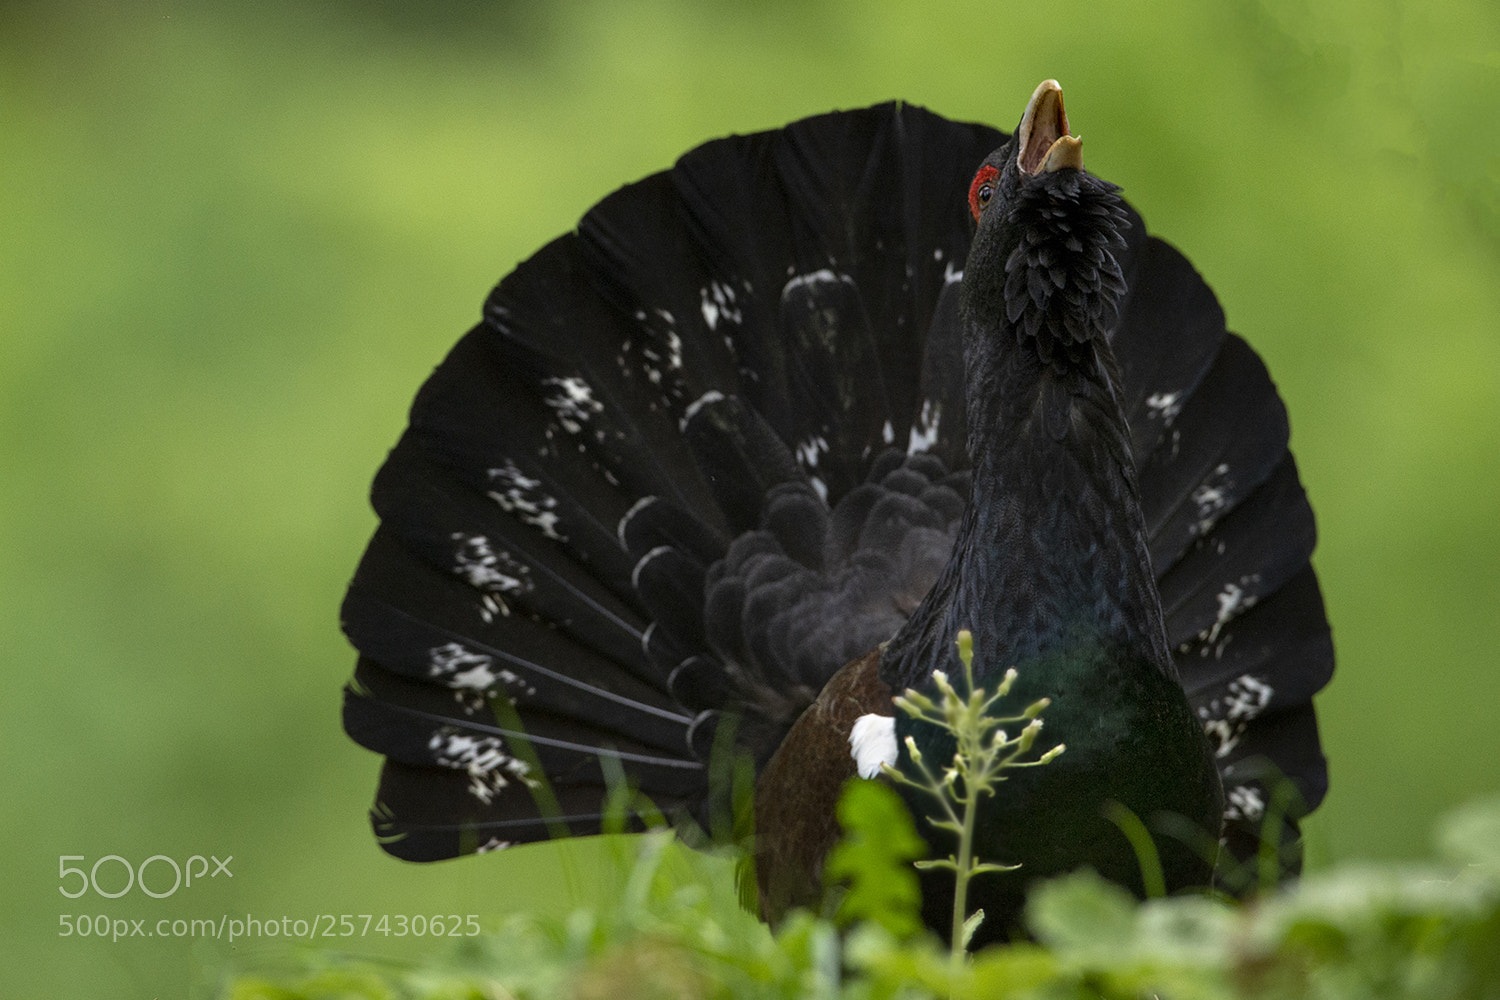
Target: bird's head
(1042, 261)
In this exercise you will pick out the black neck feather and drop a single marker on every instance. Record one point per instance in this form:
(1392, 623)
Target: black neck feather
(1051, 550)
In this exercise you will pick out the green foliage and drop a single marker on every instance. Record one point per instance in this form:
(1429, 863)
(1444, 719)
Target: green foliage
(981, 755)
(875, 859)
(1140, 841)
(1394, 931)
(1354, 932)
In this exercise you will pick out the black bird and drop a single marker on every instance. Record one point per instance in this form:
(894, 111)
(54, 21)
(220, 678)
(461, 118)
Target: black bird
(730, 464)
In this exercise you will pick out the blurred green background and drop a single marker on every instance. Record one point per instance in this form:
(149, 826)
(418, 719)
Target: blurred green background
(234, 238)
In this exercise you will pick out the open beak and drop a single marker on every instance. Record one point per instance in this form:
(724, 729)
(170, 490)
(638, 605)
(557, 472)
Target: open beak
(1044, 139)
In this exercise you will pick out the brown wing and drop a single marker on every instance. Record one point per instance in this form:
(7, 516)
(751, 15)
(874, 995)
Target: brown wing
(795, 796)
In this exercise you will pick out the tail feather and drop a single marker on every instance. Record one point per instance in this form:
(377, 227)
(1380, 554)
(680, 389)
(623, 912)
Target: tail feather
(611, 378)
(1284, 745)
(653, 522)
(432, 813)
(1227, 439)
(1170, 331)
(1252, 688)
(512, 560)
(937, 423)
(740, 455)
(1283, 642)
(423, 725)
(430, 627)
(541, 444)
(1251, 552)
(858, 219)
(1274, 778)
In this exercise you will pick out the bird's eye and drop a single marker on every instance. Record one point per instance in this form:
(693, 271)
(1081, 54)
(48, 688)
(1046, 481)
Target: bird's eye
(982, 190)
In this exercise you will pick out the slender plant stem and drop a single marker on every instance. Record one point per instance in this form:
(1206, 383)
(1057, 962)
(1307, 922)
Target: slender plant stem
(961, 881)
(981, 752)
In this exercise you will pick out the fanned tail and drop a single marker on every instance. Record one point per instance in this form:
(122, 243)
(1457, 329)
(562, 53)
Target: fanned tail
(720, 352)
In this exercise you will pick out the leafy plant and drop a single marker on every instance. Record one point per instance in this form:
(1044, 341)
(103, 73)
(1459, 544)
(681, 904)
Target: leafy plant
(875, 860)
(678, 930)
(983, 752)
(1400, 931)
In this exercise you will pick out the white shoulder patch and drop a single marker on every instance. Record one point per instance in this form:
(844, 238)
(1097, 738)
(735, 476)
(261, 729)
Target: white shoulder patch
(872, 742)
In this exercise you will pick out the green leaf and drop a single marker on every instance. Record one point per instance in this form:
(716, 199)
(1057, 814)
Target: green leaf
(1084, 918)
(880, 843)
(1013, 971)
(1190, 931)
(1146, 854)
(971, 925)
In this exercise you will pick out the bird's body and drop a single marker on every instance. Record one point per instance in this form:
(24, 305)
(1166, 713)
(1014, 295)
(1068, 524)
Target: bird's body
(750, 441)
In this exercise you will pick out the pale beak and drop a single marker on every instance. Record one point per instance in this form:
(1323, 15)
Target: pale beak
(1044, 139)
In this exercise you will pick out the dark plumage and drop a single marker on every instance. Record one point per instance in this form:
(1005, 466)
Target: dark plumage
(751, 421)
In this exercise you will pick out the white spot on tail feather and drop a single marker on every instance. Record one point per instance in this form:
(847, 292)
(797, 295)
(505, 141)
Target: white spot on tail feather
(1226, 717)
(872, 743)
(1232, 601)
(521, 495)
(719, 303)
(654, 363)
(1244, 802)
(809, 450)
(1212, 496)
(1164, 406)
(458, 666)
(574, 404)
(478, 562)
(924, 433)
(490, 606)
(483, 757)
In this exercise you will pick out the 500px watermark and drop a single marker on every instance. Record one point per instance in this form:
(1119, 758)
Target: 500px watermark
(75, 881)
(323, 925)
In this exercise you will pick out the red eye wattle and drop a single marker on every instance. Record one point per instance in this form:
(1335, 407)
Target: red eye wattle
(982, 189)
